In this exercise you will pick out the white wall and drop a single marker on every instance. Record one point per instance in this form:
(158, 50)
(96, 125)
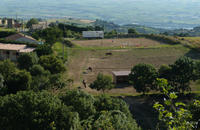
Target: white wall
(93, 34)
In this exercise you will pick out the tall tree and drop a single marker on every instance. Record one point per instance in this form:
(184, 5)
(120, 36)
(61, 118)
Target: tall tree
(182, 72)
(31, 22)
(142, 77)
(52, 63)
(19, 81)
(103, 82)
(27, 60)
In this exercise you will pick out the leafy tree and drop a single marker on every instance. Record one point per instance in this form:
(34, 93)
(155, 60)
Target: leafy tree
(40, 78)
(182, 72)
(194, 108)
(103, 82)
(164, 71)
(52, 63)
(42, 111)
(81, 102)
(114, 120)
(19, 81)
(57, 81)
(132, 31)
(107, 103)
(27, 60)
(43, 49)
(197, 70)
(142, 77)
(7, 68)
(69, 34)
(1, 81)
(31, 22)
(172, 114)
(51, 35)
(2, 86)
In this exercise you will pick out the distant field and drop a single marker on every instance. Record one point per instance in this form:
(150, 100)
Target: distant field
(125, 42)
(193, 41)
(80, 58)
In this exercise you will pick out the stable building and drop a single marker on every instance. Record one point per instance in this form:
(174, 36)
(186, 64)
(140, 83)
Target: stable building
(121, 76)
(93, 34)
(12, 51)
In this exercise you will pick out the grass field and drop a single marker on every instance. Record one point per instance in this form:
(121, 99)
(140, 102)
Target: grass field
(193, 41)
(90, 53)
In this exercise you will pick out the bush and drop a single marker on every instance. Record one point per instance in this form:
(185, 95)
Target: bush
(27, 60)
(29, 110)
(52, 64)
(82, 102)
(19, 81)
(43, 49)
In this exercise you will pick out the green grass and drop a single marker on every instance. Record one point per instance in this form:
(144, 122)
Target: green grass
(7, 29)
(58, 49)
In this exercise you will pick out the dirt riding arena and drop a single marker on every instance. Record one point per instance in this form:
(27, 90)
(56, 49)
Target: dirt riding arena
(124, 42)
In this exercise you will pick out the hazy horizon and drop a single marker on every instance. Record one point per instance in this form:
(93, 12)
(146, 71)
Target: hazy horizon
(118, 11)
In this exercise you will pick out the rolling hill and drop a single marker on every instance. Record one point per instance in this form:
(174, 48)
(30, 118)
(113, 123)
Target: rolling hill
(170, 13)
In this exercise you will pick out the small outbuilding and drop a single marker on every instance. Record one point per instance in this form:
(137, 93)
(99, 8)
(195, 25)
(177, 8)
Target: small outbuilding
(121, 76)
(93, 34)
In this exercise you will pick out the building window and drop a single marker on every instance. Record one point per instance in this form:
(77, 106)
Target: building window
(17, 53)
(7, 52)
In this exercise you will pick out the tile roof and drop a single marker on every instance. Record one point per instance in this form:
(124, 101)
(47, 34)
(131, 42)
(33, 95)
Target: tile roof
(15, 47)
(17, 36)
(11, 46)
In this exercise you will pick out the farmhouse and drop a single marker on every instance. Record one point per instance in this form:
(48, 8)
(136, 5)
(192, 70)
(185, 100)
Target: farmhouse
(93, 34)
(12, 51)
(39, 26)
(21, 38)
(120, 76)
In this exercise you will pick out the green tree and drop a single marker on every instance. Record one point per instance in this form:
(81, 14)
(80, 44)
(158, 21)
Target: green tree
(182, 72)
(7, 68)
(1, 82)
(132, 31)
(172, 114)
(194, 108)
(51, 35)
(31, 22)
(2, 86)
(52, 63)
(43, 49)
(142, 77)
(114, 120)
(19, 81)
(164, 71)
(103, 82)
(107, 103)
(42, 111)
(82, 102)
(27, 60)
(40, 78)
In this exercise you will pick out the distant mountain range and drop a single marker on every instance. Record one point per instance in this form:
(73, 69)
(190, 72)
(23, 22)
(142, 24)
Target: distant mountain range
(169, 14)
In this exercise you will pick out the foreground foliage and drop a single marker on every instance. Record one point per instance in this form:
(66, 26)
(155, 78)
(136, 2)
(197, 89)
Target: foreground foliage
(75, 110)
